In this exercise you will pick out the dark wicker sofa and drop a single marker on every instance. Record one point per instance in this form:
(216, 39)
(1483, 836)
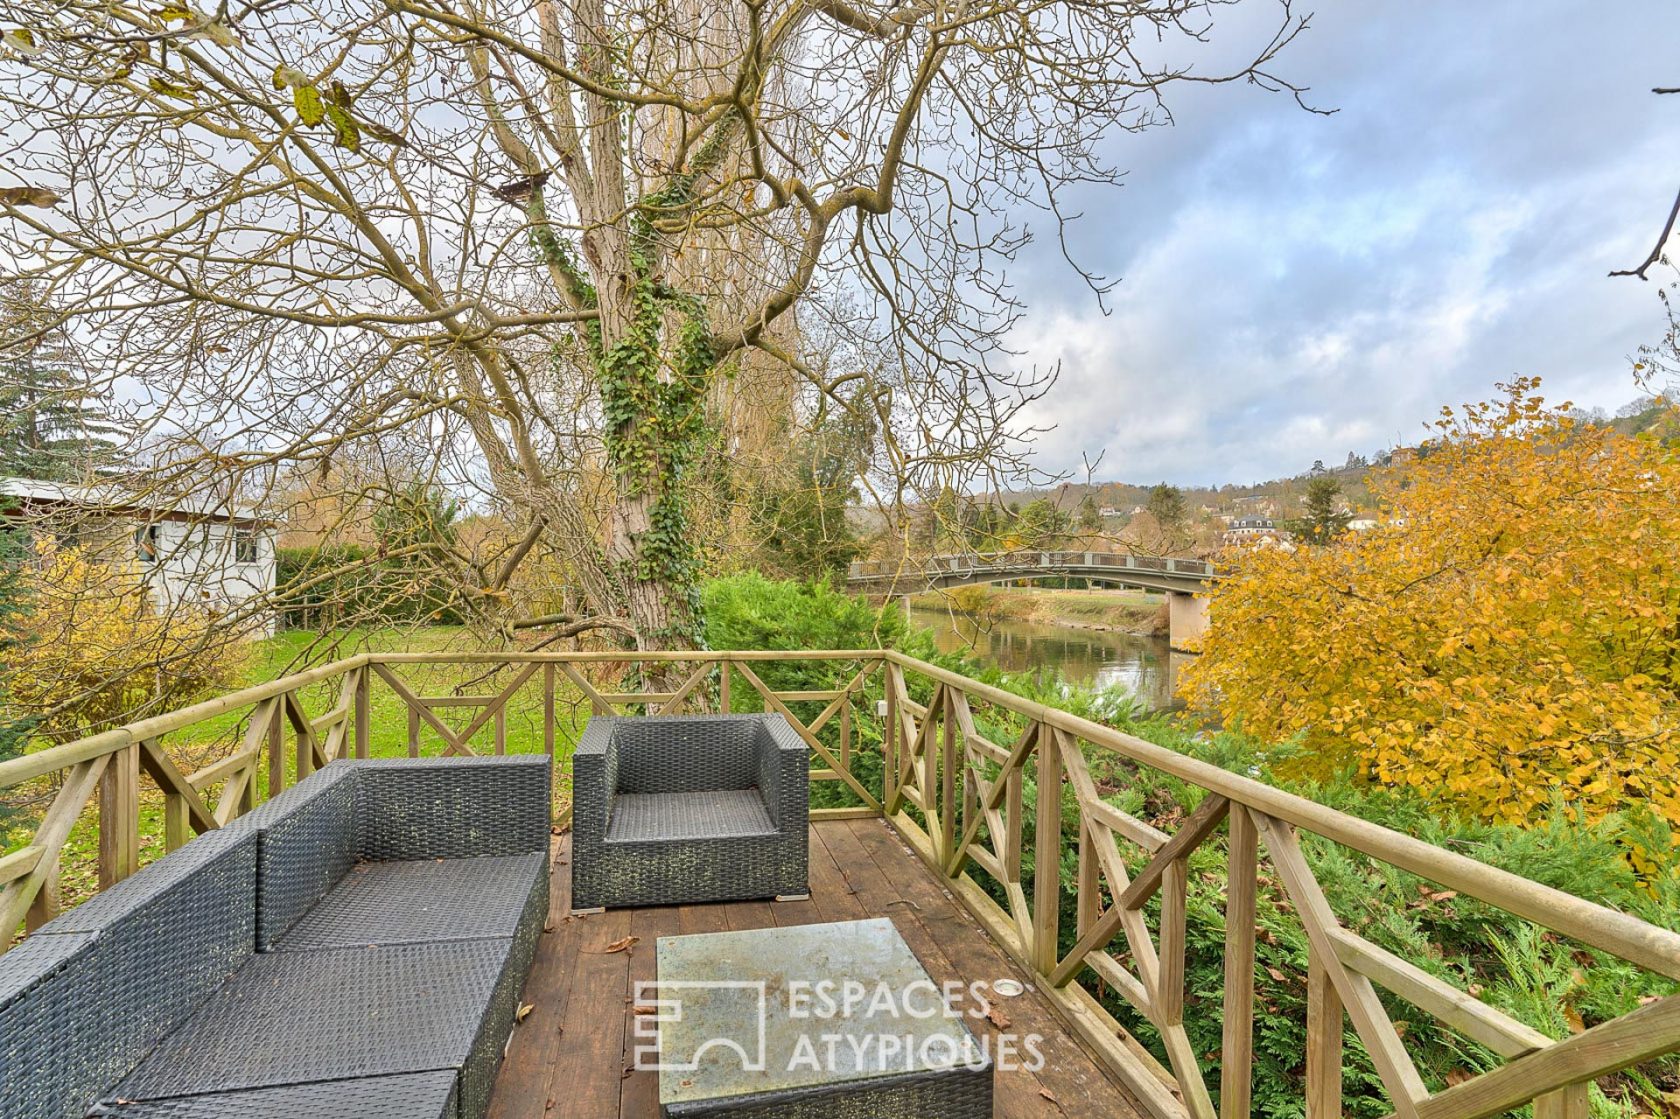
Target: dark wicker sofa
(674, 809)
(354, 947)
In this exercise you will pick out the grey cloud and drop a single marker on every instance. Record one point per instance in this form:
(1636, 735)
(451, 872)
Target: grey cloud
(1294, 287)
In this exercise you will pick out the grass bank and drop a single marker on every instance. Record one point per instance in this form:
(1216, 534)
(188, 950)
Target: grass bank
(1121, 611)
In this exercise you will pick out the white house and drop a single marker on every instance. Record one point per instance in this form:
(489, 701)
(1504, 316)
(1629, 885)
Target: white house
(201, 551)
(1250, 528)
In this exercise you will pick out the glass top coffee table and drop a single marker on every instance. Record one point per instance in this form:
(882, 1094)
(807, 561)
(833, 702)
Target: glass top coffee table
(835, 1020)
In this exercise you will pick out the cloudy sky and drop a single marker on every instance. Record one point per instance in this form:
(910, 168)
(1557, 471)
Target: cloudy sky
(1294, 286)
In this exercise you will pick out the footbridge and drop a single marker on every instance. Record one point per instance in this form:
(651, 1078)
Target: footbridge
(1183, 581)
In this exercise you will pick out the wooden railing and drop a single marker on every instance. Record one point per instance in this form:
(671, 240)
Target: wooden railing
(993, 791)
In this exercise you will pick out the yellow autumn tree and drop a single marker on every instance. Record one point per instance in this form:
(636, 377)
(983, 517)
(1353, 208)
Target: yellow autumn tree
(1505, 637)
(93, 651)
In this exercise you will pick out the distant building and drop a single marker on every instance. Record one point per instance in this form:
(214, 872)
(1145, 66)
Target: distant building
(200, 551)
(1250, 530)
(1362, 524)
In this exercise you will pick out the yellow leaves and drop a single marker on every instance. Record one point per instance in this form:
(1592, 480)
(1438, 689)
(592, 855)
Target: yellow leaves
(346, 134)
(29, 196)
(94, 649)
(22, 41)
(334, 107)
(287, 76)
(310, 109)
(1508, 639)
(169, 87)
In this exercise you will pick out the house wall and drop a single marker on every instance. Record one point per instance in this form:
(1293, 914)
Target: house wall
(199, 564)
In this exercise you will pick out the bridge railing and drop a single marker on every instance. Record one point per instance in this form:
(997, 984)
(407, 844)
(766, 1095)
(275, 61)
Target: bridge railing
(996, 793)
(1043, 560)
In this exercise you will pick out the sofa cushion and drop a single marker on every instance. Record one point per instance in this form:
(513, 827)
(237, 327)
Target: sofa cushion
(665, 817)
(336, 1014)
(417, 901)
(420, 1095)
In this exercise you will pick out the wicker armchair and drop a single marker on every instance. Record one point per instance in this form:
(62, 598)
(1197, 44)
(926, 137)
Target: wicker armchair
(689, 808)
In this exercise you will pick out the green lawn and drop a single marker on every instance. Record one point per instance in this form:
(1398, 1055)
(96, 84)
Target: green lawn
(291, 652)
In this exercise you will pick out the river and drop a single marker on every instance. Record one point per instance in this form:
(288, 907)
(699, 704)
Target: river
(1143, 666)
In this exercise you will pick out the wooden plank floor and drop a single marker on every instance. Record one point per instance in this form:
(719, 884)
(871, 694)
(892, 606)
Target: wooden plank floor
(571, 1058)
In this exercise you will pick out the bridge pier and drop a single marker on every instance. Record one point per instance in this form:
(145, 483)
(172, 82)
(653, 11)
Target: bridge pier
(1187, 619)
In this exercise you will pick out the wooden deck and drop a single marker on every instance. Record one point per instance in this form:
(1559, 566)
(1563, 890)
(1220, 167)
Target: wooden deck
(572, 1055)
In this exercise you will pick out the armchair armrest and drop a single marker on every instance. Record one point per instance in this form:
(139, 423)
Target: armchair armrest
(594, 779)
(784, 774)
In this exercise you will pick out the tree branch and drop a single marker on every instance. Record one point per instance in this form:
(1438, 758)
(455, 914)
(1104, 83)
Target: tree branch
(1656, 250)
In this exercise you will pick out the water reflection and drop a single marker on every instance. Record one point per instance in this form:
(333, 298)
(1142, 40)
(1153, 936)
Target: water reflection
(1144, 667)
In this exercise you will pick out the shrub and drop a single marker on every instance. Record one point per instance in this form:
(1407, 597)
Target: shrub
(91, 651)
(14, 730)
(329, 586)
(1505, 636)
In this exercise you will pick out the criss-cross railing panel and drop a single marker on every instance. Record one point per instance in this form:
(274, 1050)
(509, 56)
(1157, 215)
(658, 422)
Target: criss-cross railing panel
(997, 794)
(103, 784)
(1130, 891)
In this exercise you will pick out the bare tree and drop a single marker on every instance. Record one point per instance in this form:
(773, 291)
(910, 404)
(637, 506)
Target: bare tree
(530, 243)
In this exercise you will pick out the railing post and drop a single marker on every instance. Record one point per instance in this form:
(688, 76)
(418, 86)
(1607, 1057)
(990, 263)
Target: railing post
(364, 711)
(948, 779)
(1565, 1103)
(1324, 1042)
(1088, 894)
(846, 733)
(176, 828)
(890, 744)
(548, 709)
(119, 817)
(1013, 824)
(1169, 993)
(929, 781)
(276, 750)
(1236, 1075)
(303, 741)
(45, 906)
(1047, 852)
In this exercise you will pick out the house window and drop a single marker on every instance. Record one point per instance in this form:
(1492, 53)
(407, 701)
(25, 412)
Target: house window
(244, 545)
(146, 543)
